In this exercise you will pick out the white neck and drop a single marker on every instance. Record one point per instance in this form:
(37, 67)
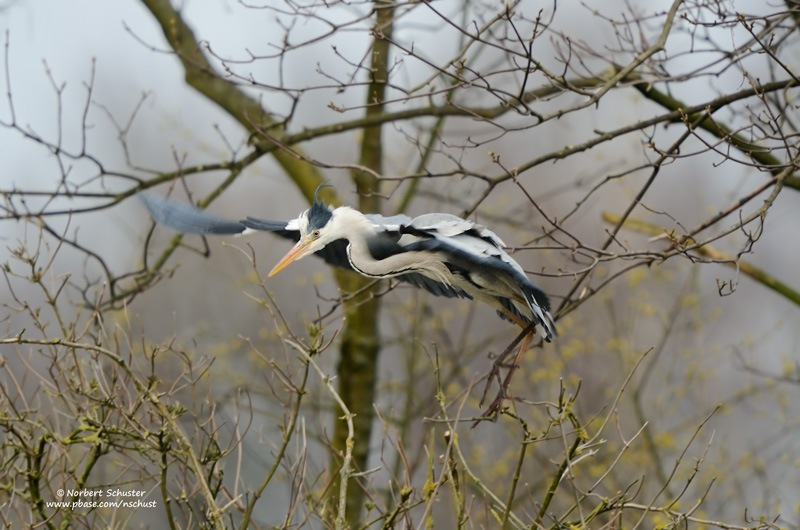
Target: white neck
(360, 230)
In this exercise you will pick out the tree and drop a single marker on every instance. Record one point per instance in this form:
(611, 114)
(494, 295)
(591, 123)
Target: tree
(630, 154)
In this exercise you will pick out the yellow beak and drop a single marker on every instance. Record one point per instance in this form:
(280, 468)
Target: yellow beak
(297, 252)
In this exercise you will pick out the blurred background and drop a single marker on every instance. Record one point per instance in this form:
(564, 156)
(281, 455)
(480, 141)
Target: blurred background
(670, 355)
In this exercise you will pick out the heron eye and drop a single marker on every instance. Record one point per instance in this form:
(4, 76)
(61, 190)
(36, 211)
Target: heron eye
(315, 233)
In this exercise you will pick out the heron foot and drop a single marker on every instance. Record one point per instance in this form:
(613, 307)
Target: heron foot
(494, 409)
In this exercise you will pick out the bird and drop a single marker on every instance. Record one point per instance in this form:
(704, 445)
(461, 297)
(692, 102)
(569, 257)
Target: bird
(438, 252)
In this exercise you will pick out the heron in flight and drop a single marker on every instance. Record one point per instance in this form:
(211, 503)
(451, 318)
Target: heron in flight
(441, 253)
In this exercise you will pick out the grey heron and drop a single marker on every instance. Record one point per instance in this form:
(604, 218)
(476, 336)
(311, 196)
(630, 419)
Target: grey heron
(441, 253)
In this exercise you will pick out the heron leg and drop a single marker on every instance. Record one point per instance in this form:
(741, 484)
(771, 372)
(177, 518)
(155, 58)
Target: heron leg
(525, 337)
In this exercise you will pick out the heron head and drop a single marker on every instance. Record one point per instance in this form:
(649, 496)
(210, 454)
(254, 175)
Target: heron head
(316, 231)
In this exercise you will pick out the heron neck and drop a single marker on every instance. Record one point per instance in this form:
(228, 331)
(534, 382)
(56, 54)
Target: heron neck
(360, 231)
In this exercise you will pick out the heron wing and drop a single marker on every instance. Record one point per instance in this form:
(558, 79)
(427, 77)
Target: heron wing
(468, 240)
(479, 261)
(477, 253)
(473, 259)
(288, 229)
(184, 217)
(432, 286)
(187, 218)
(391, 224)
(447, 225)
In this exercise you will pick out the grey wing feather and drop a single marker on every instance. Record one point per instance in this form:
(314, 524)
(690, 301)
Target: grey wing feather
(432, 286)
(447, 225)
(279, 227)
(444, 224)
(471, 246)
(388, 224)
(335, 253)
(186, 218)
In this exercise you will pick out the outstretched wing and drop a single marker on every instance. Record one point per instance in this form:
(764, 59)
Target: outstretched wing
(186, 218)
(476, 254)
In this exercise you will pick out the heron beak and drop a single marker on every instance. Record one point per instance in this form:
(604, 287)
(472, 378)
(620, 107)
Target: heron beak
(297, 252)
